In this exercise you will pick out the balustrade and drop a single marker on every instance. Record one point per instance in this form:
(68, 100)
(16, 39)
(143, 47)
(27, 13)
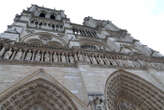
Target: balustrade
(46, 24)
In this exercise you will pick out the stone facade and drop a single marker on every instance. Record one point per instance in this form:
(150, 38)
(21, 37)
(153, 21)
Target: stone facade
(48, 62)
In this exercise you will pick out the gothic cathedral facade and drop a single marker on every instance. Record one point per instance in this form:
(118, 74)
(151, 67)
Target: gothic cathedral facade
(49, 63)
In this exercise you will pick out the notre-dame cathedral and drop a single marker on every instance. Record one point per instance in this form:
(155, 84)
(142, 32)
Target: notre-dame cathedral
(49, 63)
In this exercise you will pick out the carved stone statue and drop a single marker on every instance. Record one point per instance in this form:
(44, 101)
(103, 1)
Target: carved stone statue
(28, 56)
(106, 60)
(18, 55)
(8, 54)
(87, 59)
(63, 58)
(80, 57)
(99, 60)
(94, 60)
(71, 59)
(97, 103)
(47, 57)
(76, 57)
(38, 56)
(2, 51)
(55, 57)
(127, 106)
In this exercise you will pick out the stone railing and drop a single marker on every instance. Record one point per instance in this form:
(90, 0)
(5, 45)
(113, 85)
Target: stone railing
(43, 23)
(22, 53)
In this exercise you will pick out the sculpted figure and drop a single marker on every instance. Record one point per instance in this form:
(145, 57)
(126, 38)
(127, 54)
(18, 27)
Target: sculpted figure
(80, 57)
(87, 58)
(47, 57)
(94, 60)
(8, 54)
(38, 56)
(76, 57)
(55, 57)
(71, 59)
(106, 60)
(29, 55)
(18, 55)
(2, 51)
(63, 58)
(99, 60)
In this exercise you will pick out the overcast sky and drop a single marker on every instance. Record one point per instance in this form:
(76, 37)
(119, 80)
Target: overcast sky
(144, 19)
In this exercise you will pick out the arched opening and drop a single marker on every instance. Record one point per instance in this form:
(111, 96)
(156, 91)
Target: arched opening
(43, 15)
(44, 38)
(126, 91)
(38, 94)
(52, 17)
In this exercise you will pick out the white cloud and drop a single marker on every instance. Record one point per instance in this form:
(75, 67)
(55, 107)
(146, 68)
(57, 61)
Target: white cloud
(137, 16)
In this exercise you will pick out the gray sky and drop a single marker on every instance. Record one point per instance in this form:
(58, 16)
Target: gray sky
(144, 19)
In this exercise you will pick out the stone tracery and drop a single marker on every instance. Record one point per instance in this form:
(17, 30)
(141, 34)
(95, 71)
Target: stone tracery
(125, 91)
(37, 92)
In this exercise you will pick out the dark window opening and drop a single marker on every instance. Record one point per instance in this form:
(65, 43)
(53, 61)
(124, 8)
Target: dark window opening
(32, 22)
(52, 17)
(42, 15)
(36, 23)
(88, 47)
(53, 26)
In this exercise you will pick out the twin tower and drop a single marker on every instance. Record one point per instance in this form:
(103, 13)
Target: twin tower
(49, 63)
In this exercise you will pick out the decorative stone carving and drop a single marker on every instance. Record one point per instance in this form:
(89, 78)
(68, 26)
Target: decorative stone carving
(55, 57)
(28, 55)
(41, 92)
(123, 105)
(71, 59)
(94, 60)
(63, 58)
(2, 51)
(38, 56)
(133, 92)
(19, 54)
(47, 57)
(8, 54)
(97, 102)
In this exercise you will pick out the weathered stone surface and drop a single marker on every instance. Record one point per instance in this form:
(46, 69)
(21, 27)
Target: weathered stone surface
(47, 62)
